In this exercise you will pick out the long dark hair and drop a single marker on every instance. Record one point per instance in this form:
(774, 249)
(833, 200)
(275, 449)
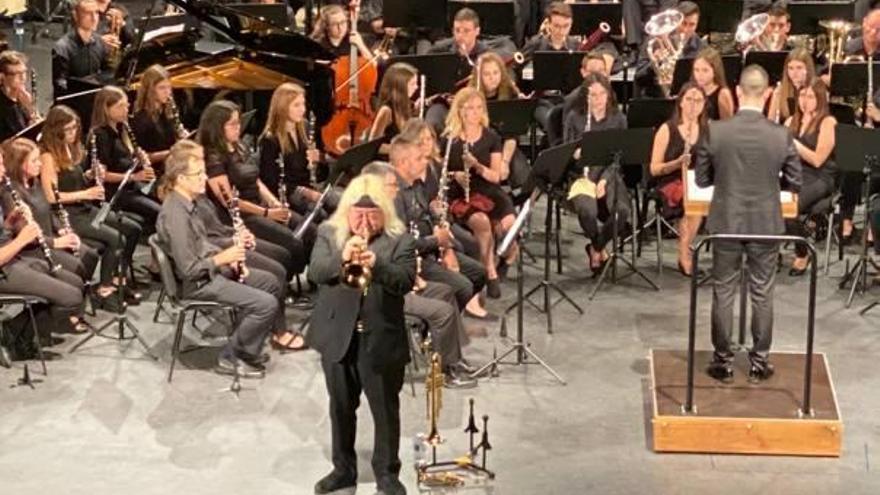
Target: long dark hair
(822, 108)
(211, 134)
(52, 138)
(676, 118)
(610, 105)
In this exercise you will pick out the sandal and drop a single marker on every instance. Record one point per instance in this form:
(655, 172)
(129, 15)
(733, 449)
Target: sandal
(289, 347)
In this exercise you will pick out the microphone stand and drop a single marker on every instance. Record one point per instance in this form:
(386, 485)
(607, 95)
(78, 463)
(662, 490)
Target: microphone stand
(120, 320)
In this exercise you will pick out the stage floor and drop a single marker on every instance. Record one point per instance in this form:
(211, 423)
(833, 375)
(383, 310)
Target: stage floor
(105, 421)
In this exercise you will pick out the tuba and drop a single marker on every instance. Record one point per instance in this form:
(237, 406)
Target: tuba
(664, 50)
(837, 33)
(750, 35)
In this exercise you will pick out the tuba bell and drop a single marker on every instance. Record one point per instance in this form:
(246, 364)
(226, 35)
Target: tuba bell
(751, 35)
(664, 50)
(837, 33)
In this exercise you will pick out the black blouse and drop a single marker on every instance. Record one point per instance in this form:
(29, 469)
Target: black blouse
(296, 165)
(153, 134)
(828, 171)
(482, 149)
(71, 180)
(113, 153)
(241, 170)
(13, 117)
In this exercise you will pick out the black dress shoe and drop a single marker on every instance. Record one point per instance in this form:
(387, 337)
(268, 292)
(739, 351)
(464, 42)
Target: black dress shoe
(720, 371)
(227, 366)
(391, 486)
(333, 482)
(493, 288)
(451, 379)
(760, 372)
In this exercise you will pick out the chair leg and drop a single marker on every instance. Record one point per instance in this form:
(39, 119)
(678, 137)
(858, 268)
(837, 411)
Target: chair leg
(828, 235)
(659, 241)
(175, 346)
(159, 301)
(30, 311)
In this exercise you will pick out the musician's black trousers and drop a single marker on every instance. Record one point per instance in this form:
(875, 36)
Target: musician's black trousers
(345, 380)
(436, 306)
(280, 235)
(118, 234)
(591, 211)
(761, 273)
(30, 276)
(813, 190)
(143, 206)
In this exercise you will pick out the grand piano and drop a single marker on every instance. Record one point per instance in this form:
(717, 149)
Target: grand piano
(218, 51)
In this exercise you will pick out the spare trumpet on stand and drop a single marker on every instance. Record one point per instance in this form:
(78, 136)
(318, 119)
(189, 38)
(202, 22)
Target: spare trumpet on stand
(663, 48)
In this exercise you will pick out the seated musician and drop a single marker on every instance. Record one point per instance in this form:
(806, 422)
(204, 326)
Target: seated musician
(81, 53)
(30, 276)
(117, 150)
(496, 84)
(155, 124)
(673, 143)
(708, 74)
(812, 126)
(210, 272)
(63, 157)
(778, 27)
(115, 26)
(230, 165)
(684, 36)
(476, 197)
(464, 41)
(593, 62)
(799, 69)
(395, 107)
(556, 39)
(430, 301)
(17, 105)
(868, 43)
(22, 162)
(332, 32)
(590, 193)
(285, 134)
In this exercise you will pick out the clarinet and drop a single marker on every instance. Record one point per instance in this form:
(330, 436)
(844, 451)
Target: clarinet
(179, 129)
(138, 153)
(443, 192)
(62, 213)
(313, 167)
(29, 218)
(238, 227)
(35, 111)
(282, 180)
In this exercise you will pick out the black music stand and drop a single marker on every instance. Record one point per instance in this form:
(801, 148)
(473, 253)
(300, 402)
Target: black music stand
(557, 71)
(270, 13)
(718, 16)
(353, 160)
(851, 79)
(805, 16)
(520, 346)
(440, 70)
(549, 170)
(412, 14)
(649, 112)
(587, 16)
(513, 118)
(629, 146)
(31, 132)
(496, 16)
(772, 62)
(858, 150)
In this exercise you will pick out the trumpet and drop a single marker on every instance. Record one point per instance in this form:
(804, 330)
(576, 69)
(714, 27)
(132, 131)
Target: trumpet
(663, 49)
(28, 216)
(355, 274)
(238, 233)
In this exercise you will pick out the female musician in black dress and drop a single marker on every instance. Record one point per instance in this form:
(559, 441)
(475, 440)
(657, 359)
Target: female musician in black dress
(156, 124)
(476, 197)
(813, 128)
(62, 157)
(399, 84)
(229, 165)
(22, 162)
(285, 136)
(673, 143)
(591, 194)
(799, 70)
(17, 105)
(708, 73)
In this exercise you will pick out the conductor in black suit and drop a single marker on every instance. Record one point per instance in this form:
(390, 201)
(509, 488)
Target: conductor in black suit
(744, 157)
(361, 333)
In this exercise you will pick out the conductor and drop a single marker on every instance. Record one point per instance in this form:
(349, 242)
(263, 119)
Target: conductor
(360, 332)
(744, 158)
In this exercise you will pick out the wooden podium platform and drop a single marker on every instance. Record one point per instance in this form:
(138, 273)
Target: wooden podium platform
(742, 418)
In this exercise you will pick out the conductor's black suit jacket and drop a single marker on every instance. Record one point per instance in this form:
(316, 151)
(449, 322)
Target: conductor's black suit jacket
(338, 306)
(743, 157)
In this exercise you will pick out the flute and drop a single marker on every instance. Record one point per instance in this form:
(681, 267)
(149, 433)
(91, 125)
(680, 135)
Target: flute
(466, 149)
(421, 96)
(26, 213)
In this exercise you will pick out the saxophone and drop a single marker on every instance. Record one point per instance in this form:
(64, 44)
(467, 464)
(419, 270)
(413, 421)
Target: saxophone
(28, 216)
(61, 213)
(238, 235)
(139, 158)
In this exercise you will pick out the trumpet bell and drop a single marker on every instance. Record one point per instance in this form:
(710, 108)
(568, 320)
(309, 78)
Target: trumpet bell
(664, 23)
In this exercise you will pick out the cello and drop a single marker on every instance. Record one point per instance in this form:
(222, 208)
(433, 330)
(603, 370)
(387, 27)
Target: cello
(355, 80)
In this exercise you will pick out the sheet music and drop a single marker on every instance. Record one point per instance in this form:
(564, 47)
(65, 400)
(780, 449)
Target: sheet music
(174, 28)
(697, 193)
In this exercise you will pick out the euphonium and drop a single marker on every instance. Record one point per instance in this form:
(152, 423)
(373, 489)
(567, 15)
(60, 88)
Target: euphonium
(663, 51)
(837, 32)
(750, 34)
(354, 274)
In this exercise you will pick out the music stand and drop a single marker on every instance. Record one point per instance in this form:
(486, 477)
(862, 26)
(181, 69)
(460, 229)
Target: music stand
(851, 79)
(718, 16)
(772, 62)
(805, 16)
(520, 346)
(440, 70)
(557, 71)
(80, 102)
(628, 146)
(513, 118)
(858, 150)
(496, 16)
(411, 14)
(31, 132)
(271, 13)
(549, 171)
(353, 160)
(587, 16)
(649, 113)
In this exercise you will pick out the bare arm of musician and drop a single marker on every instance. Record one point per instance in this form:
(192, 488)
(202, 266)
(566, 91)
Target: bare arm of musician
(705, 169)
(276, 212)
(725, 104)
(791, 167)
(659, 167)
(380, 123)
(824, 146)
(774, 108)
(158, 156)
(397, 274)
(10, 250)
(507, 151)
(491, 173)
(221, 189)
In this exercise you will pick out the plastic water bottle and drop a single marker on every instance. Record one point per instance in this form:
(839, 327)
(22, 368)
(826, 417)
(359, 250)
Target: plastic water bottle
(420, 449)
(18, 31)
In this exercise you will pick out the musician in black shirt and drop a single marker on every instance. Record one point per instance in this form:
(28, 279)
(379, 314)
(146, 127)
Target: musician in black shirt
(154, 124)
(17, 106)
(114, 26)
(81, 53)
(332, 32)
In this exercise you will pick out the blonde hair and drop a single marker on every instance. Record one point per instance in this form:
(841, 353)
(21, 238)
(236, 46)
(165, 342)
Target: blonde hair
(146, 98)
(454, 125)
(507, 89)
(320, 30)
(276, 123)
(374, 188)
(180, 156)
(15, 153)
